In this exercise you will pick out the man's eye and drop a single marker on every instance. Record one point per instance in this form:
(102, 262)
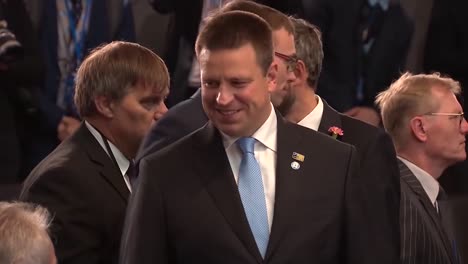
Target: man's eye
(210, 84)
(239, 84)
(150, 103)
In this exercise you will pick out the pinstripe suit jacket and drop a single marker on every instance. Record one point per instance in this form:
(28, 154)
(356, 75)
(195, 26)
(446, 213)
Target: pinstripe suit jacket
(423, 239)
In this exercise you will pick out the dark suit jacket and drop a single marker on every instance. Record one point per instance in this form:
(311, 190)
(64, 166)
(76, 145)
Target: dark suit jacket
(378, 168)
(193, 213)
(86, 194)
(184, 30)
(423, 239)
(339, 22)
(375, 152)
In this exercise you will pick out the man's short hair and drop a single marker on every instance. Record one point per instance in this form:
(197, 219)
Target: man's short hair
(308, 42)
(24, 234)
(273, 17)
(234, 29)
(407, 97)
(112, 69)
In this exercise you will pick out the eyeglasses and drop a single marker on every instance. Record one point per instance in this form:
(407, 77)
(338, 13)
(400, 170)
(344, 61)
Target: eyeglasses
(460, 116)
(291, 61)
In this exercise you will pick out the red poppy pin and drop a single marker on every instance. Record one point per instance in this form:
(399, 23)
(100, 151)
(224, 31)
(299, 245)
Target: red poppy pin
(335, 132)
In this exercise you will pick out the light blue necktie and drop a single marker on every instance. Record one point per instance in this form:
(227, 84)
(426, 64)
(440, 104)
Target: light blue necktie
(252, 194)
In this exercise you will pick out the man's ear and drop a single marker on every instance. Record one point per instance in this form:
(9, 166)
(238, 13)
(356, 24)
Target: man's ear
(418, 127)
(104, 106)
(301, 71)
(272, 74)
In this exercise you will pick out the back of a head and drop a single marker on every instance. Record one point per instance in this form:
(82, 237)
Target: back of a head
(24, 238)
(273, 17)
(234, 29)
(308, 42)
(112, 69)
(407, 97)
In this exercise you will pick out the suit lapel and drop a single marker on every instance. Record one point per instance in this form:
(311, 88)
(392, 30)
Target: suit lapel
(288, 181)
(408, 177)
(106, 167)
(221, 185)
(330, 118)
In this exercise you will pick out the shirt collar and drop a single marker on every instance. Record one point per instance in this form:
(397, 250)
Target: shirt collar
(266, 134)
(429, 184)
(384, 4)
(313, 119)
(122, 161)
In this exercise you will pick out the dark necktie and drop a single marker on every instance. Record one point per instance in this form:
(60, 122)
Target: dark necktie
(131, 173)
(446, 220)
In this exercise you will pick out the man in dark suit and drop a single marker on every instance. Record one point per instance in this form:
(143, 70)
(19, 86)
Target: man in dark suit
(365, 45)
(197, 208)
(378, 167)
(189, 115)
(180, 54)
(85, 181)
(425, 120)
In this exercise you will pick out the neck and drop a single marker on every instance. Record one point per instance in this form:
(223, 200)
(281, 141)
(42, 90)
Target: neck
(305, 102)
(434, 168)
(104, 126)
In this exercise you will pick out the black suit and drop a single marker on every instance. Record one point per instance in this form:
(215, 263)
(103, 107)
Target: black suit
(375, 152)
(378, 167)
(193, 213)
(181, 40)
(342, 45)
(423, 238)
(87, 195)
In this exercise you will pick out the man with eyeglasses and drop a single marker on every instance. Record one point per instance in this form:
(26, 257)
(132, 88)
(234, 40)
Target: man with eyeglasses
(188, 116)
(423, 116)
(378, 166)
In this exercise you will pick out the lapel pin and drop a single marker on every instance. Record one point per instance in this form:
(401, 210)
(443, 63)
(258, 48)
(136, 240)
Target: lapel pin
(298, 157)
(295, 165)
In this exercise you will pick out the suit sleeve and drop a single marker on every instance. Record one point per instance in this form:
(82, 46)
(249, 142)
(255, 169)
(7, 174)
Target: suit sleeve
(73, 231)
(372, 229)
(144, 235)
(381, 187)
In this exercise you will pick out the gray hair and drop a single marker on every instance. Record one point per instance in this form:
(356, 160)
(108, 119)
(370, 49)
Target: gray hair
(24, 238)
(308, 42)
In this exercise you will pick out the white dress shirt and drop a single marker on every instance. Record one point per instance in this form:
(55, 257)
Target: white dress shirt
(429, 183)
(122, 161)
(265, 153)
(313, 119)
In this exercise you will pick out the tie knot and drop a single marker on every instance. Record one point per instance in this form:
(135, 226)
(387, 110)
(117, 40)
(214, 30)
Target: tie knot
(442, 195)
(246, 144)
(131, 172)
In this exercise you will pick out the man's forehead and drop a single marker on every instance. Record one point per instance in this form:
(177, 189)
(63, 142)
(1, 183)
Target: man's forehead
(283, 41)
